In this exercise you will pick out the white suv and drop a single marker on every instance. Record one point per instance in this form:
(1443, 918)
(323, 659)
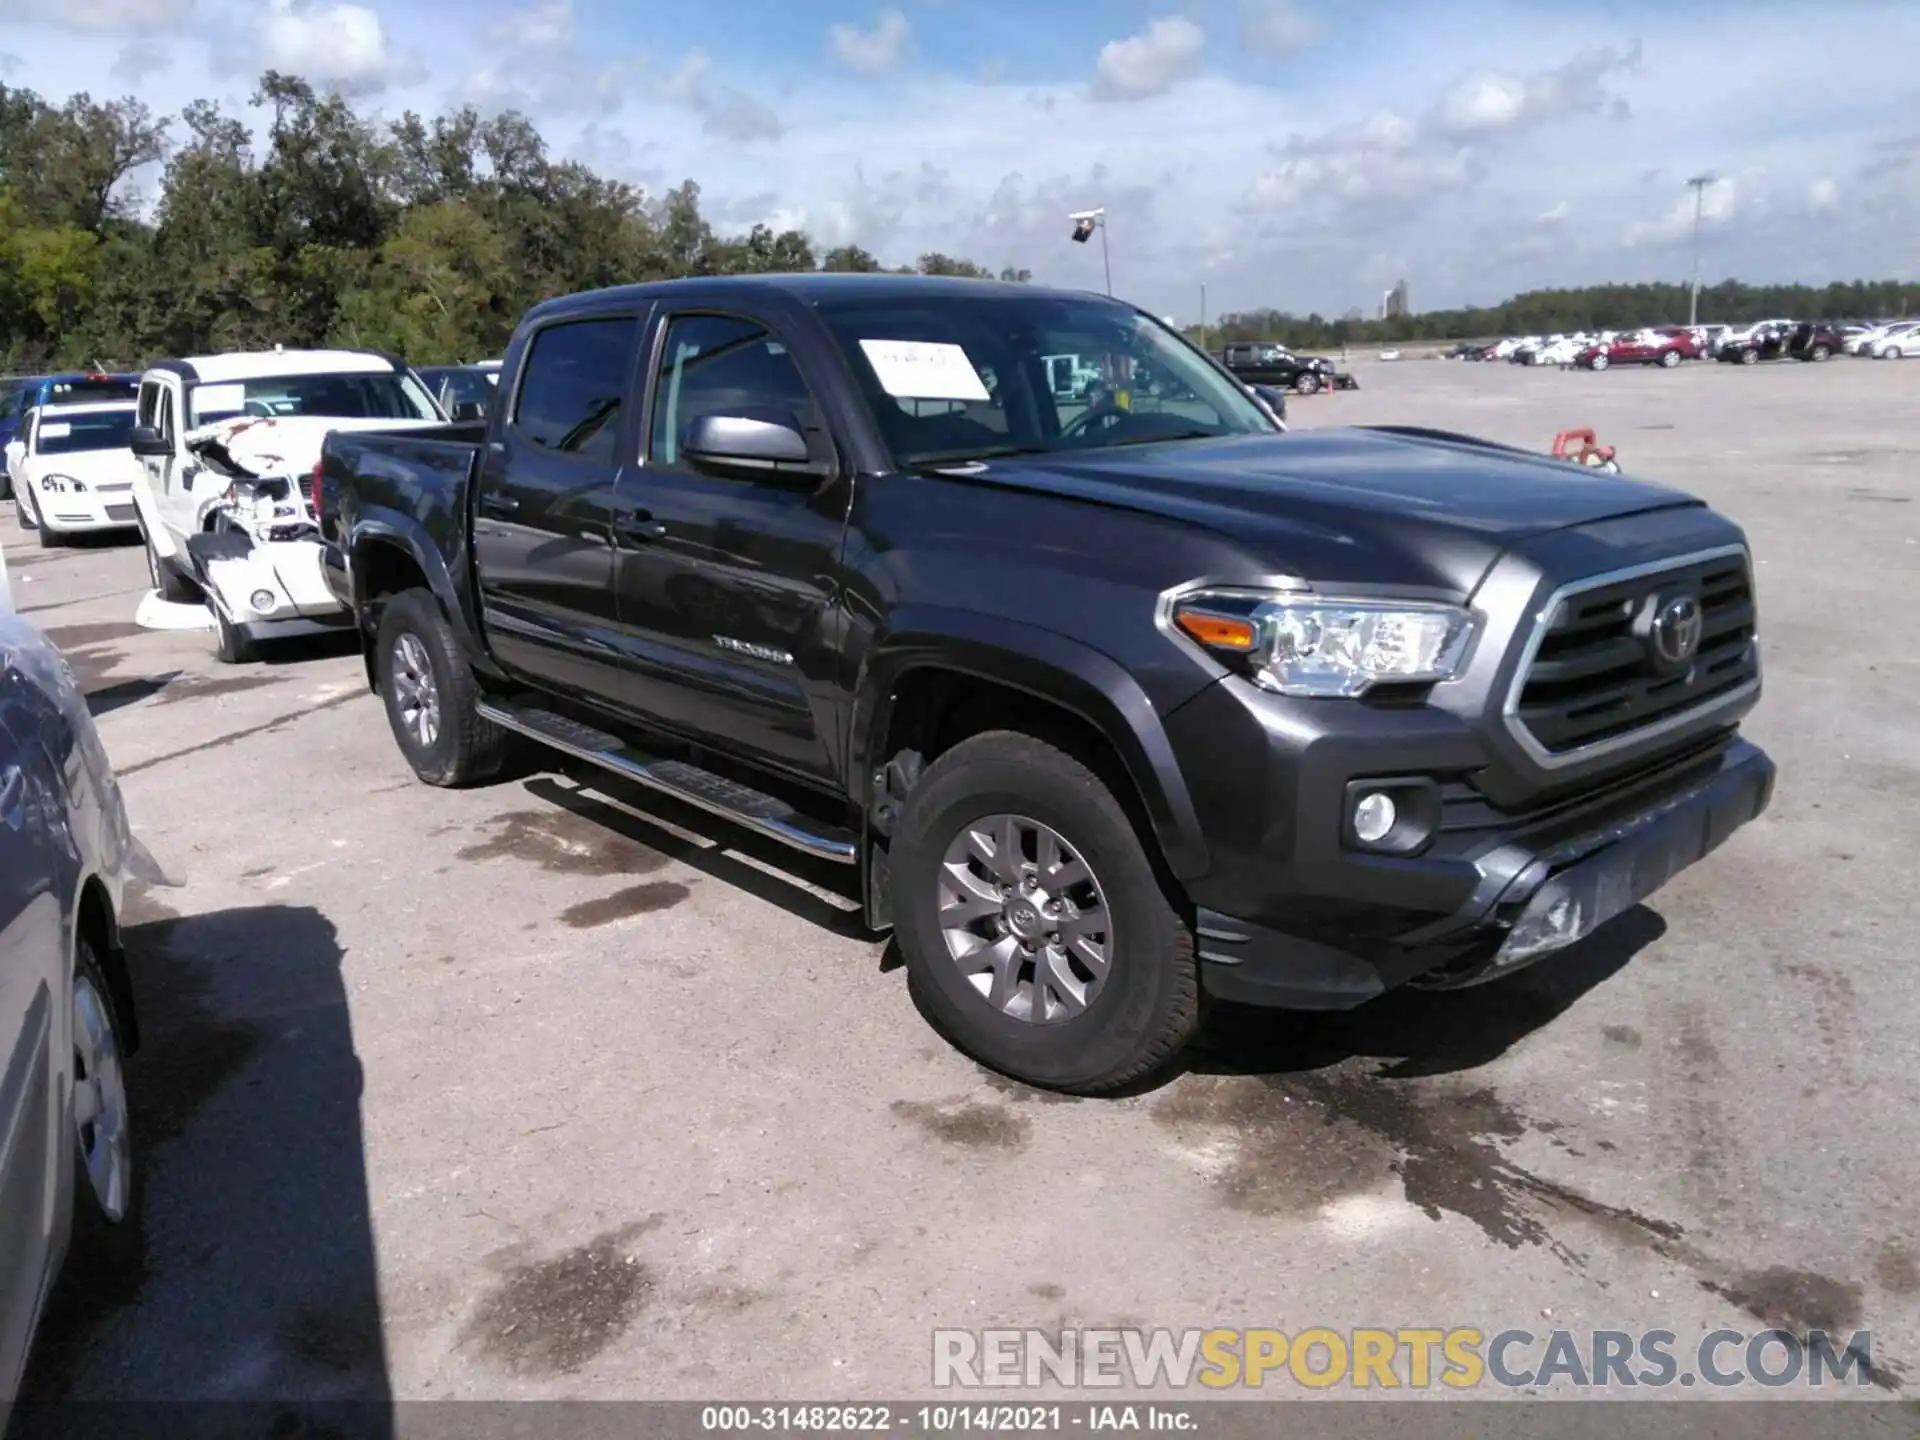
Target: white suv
(1894, 342)
(72, 471)
(228, 444)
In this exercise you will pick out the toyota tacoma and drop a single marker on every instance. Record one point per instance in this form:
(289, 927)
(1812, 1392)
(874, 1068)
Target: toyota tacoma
(1114, 704)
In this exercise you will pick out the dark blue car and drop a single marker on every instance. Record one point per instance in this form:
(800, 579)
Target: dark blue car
(36, 390)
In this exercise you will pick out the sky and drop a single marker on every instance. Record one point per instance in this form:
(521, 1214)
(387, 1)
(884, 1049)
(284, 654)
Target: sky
(1302, 154)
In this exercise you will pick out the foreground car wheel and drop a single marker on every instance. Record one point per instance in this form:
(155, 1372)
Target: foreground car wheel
(1035, 931)
(106, 1183)
(1307, 383)
(431, 696)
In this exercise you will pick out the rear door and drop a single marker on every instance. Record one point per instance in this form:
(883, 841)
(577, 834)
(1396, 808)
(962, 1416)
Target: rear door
(542, 531)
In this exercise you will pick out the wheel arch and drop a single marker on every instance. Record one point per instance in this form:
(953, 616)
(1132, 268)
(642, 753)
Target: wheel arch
(945, 675)
(96, 923)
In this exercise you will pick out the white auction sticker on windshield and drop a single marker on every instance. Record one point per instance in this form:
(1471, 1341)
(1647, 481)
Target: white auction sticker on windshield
(56, 430)
(924, 370)
(213, 399)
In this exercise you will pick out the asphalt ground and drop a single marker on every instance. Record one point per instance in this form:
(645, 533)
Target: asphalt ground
(540, 1091)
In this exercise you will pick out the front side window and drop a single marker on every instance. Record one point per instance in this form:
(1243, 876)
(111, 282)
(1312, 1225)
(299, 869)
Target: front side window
(715, 364)
(379, 396)
(575, 378)
(956, 377)
(91, 430)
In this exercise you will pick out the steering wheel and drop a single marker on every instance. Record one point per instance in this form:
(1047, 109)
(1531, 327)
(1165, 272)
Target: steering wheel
(1107, 410)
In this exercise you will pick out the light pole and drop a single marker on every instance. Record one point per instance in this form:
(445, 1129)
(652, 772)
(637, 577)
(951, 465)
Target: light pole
(1699, 184)
(1085, 222)
(1203, 314)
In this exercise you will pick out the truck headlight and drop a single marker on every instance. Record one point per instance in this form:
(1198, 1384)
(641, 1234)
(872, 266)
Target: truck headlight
(1324, 646)
(61, 485)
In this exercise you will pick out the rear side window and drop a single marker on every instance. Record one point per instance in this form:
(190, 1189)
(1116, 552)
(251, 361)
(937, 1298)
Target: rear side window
(575, 379)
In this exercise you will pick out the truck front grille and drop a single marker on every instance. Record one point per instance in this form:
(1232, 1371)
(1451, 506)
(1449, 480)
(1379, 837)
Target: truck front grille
(1595, 677)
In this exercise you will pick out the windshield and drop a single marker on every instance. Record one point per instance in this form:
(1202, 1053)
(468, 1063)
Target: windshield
(956, 377)
(338, 397)
(92, 430)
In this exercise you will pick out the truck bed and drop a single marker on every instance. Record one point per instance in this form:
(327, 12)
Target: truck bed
(412, 480)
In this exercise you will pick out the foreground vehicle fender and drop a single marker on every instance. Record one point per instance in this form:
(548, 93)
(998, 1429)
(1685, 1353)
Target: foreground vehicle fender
(1051, 668)
(377, 530)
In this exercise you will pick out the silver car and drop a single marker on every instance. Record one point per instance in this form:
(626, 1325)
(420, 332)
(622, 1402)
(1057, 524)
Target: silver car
(67, 1175)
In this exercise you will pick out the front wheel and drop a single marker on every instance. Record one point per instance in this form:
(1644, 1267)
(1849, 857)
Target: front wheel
(166, 584)
(1035, 930)
(1307, 383)
(1600, 362)
(1670, 359)
(1892, 352)
(231, 646)
(432, 697)
(106, 1180)
(1818, 353)
(1749, 357)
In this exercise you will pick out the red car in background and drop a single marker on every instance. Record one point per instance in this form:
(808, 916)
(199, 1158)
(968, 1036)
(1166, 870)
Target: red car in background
(1664, 347)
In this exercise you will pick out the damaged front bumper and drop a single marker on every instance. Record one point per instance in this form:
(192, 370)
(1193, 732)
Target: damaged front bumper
(268, 588)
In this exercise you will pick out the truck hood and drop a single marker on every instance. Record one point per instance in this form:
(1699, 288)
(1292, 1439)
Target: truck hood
(1352, 506)
(286, 445)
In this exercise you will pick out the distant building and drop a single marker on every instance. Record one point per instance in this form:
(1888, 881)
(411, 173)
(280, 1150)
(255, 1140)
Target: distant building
(1396, 303)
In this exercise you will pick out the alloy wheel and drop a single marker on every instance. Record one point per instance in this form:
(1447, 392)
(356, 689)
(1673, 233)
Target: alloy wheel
(1025, 919)
(415, 692)
(100, 1101)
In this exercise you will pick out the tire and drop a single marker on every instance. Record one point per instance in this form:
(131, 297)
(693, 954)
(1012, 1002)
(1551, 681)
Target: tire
(230, 646)
(1306, 383)
(1669, 360)
(106, 1218)
(1600, 362)
(1892, 352)
(1818, 353)
(421, 668)
(165, 582)
(1135, 1020)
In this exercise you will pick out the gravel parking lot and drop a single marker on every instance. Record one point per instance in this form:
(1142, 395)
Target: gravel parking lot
(543, 1090)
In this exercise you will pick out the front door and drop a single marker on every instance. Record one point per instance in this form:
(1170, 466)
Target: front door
(159, 406)
(727, 582)
(542, 535)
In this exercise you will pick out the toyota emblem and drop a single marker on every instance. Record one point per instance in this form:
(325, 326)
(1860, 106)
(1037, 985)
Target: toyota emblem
(1675, 633)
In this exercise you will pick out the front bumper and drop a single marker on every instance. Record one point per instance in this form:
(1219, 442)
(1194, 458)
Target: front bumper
(270, 588)
(1568, 884)
(68, 513)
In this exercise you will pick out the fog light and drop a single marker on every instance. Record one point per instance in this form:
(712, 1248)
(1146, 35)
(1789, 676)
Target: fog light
(1373, 817)
(263, 601)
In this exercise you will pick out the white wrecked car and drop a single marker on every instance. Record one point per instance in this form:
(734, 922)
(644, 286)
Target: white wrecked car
(229, 444)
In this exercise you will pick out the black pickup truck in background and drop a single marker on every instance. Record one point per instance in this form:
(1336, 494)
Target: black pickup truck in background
(1115, 704)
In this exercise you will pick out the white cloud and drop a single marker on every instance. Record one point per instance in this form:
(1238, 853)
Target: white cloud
(340, 44)
(1556, 214)
(1150, 63)
(139, 58)
(1823, 194)
(1716, 203)
(1490, 101)
(868, 52)
(1276, 27)
(547, 25)
(103, 17)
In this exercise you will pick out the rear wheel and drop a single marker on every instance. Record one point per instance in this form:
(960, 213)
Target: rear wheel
(1819, 352)
(1670, 359)
(1892, 352)
(1749, 357)
(432, 696)
(1035, 930)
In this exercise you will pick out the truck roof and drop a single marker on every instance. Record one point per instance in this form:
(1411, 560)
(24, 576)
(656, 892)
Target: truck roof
(806, 286)
(266, 364)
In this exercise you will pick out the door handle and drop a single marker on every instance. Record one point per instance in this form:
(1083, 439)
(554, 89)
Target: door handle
(498, 502)
(639, 528)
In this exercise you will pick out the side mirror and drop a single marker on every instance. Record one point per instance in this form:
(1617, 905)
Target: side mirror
(466, 411)
(754, 438)
(148, 441)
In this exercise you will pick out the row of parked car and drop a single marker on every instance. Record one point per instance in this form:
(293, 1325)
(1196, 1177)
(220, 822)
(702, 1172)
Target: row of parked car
(1669, 346)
